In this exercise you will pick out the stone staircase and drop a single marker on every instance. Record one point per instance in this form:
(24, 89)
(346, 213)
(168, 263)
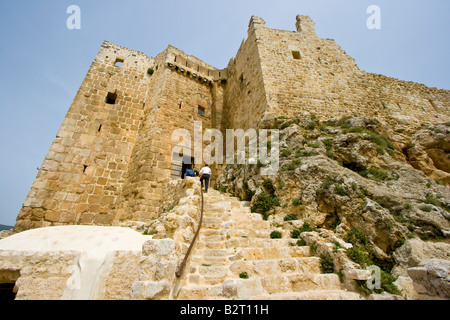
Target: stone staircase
(233, 240)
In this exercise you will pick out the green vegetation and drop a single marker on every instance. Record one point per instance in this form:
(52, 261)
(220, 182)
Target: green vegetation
(296, 201)
(280, 184)
(286, 152)
(264, 204)
(432, 200)
(381, 140)
(290, 217)
(361, 254)
(374, 174)
(291, 166)
(150, 71)
(268, 185)
(407, 205)
(326, 263)
(147, 232)
(302, 153)
(248, 194)
(275, 235)
(325, 185)
(426, 208)
(356, 237)
(243, 275)
(295, 234)
(340, 189)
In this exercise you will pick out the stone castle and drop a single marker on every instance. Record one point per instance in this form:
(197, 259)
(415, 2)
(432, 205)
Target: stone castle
(111, 160)
(362, 182)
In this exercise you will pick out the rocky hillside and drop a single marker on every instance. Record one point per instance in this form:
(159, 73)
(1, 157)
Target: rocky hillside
(382, 188)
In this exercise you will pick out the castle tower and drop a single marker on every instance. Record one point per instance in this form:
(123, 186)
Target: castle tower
(84, 170)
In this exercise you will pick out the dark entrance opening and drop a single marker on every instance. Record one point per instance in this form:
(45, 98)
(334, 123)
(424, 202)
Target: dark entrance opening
(7, 292)
(188, 163)
(8, 287)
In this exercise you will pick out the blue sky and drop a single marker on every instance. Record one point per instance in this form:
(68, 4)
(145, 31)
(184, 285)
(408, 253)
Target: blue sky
(42, 62)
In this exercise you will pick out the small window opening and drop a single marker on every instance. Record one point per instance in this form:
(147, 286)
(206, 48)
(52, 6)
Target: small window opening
(111, 98)
(119, 62)
(296, 54)
(201, 111)
(179, 106)
(175, 60)
(84, 168)
(99, 128)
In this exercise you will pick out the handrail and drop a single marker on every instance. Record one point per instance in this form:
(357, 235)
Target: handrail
(183, 264)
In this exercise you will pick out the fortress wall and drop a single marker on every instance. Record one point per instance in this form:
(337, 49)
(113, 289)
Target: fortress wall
(112, 162)
(244, 94)
(303, 72)
(84, 170)
(174, 100)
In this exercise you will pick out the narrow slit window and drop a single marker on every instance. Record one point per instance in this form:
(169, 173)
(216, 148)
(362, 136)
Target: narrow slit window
(201, 111)
(296, 54)
(100, 128)
(111, 98)
(84, 168)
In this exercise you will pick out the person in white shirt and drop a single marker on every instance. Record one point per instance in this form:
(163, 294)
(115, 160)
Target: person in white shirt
(205, 173)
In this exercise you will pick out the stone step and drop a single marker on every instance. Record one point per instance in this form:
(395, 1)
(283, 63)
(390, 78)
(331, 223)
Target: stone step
(234, 215)
(209, 275)
(199, 280)
(275, 284)
(211, 245)
(311, 295)
(277, 287)
(214, 252)
(212, 237)
(258, 242)
(250, 224)
(211, 261)
(205, 292)
(218, 223)
(213, 271)
(273, 253)
(217, 206)
(255, 233)
(306, 265)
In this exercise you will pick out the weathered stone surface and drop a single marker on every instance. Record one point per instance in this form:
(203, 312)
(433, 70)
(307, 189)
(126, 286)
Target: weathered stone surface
(431, 278)
(363, 163)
